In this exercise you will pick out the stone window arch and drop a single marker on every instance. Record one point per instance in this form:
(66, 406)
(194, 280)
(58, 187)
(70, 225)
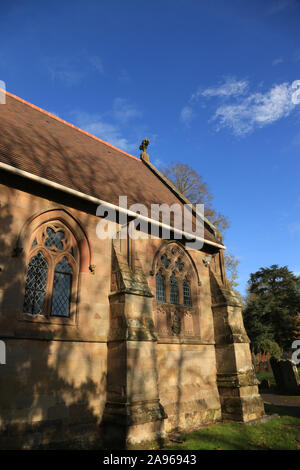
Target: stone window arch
(177, 314)
(176, 277)
(52, 270)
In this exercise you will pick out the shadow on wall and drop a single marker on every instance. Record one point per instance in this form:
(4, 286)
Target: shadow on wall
(51, 391)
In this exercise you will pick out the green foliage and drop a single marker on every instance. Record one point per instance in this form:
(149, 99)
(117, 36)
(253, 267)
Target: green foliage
(268, 376)
(267, 345)
(273, 306)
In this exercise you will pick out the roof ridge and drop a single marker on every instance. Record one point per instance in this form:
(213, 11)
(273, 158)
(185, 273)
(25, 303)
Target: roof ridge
(69, 124)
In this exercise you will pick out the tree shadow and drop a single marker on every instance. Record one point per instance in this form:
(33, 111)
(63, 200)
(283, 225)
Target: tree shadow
(53, 387)
(53, 384)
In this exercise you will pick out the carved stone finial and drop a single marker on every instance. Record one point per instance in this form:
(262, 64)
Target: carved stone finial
(144, 155)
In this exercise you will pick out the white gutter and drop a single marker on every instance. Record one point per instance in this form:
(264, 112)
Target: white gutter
(95, 200)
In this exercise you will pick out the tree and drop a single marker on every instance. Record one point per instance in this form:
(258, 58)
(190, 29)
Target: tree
(231, 263)
(273, 306)
(192, 186)
(267, 345)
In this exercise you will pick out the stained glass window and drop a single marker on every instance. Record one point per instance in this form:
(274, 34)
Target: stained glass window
(54, 238)
(174, 292)
(187, 298)
(160, 287)
(62, 289)
(35, 285)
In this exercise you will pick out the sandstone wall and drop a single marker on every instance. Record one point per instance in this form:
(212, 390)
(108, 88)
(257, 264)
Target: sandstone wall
(186, 362)
(53, 386)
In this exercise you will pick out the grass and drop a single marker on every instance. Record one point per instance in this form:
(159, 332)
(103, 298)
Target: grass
(279, 433)
(267, 375)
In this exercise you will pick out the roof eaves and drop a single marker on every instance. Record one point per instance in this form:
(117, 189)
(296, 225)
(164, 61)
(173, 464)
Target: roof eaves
(92, 199)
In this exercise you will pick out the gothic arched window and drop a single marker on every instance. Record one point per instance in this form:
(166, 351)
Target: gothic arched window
(175, 276)
(174, 291)
(52, 271)
(160, 287)
(187, 298)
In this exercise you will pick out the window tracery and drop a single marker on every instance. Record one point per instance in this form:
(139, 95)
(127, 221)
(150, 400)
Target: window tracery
(52, 271)
(173, 273)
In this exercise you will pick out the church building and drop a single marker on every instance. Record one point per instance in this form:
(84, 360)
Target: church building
(108, 339)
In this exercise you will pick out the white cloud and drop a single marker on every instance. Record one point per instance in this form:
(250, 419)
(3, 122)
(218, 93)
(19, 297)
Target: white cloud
(186, 115)
(231, 87)
(256, 110)
(94, 124)
(240, 110)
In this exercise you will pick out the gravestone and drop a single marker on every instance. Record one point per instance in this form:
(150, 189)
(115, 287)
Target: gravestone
(264, 384)
(286, 375)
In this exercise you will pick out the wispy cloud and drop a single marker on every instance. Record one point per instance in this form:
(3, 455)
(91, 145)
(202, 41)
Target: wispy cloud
(72, 71)
(241, 111)
(277, 61)
(256, 110)
(64, 70)
(231, 87)
(110, 132)
(124, 111)
(187, 114)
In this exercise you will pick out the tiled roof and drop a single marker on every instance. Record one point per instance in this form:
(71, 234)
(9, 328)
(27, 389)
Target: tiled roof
(38, 142)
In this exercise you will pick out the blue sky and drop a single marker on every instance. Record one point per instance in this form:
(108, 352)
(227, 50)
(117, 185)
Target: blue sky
(208, 82)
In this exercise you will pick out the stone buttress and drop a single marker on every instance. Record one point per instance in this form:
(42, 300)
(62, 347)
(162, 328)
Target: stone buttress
(133, 412)
(236, 379)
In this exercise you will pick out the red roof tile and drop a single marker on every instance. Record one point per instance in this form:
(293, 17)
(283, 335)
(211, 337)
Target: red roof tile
(40, 143)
